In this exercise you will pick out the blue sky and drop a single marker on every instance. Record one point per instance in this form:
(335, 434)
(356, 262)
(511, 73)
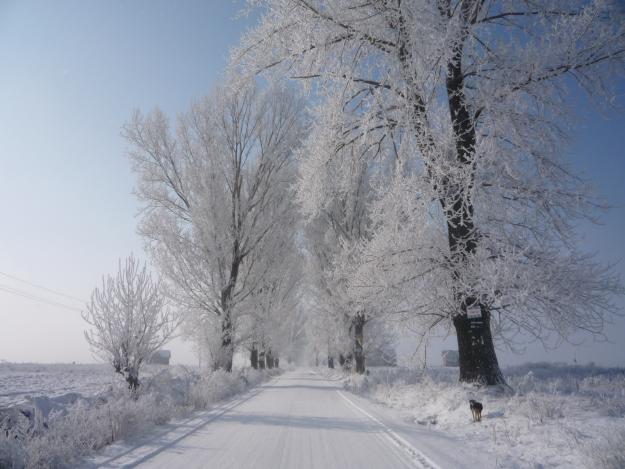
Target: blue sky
(70, 74)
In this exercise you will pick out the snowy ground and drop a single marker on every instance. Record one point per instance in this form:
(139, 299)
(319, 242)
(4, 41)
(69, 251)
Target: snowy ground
(554, 416)
(19, 381)
(298, 420)
(551, 417)
(52, 428)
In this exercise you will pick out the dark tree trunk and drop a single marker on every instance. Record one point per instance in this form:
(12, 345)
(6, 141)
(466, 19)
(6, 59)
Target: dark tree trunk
(254, 358)
(227, 351)
(358, 323)
(133, 382)
(478, 360)
(476, 350)
(131, 375)
(330, 362)
(269, 359)
(454, 195)
(227, 327)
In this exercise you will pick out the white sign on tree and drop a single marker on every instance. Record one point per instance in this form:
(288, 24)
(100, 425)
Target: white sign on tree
(474, 312)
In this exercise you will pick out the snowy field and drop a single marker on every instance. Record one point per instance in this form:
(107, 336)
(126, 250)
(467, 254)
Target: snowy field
(20, 381)
(553, 416)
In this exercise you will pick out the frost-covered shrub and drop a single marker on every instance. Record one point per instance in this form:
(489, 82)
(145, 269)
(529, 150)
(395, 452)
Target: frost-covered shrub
(85, 428)
(12, 454)
(567, 406)
(220, 385)
(540, 408)
(59, 437)
(607, 452)
(214, 387)
(360, 383)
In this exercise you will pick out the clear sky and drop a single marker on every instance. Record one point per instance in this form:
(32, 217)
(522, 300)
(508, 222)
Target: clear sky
(70, 74)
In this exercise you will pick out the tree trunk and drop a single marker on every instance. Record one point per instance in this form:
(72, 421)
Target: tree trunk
(227, 328)
(476, 350)
(254, 357)
(132, 378)
(358, 323)
(454, 194)
(330, 362)
(269, 359)
(347, 362)
(227, 350)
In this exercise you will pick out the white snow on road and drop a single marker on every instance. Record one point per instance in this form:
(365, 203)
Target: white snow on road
(298, 420)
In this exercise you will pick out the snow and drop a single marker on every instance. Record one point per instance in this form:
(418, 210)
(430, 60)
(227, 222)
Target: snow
(18, 381)
(554, 416)
(300, 419)
(53, 431)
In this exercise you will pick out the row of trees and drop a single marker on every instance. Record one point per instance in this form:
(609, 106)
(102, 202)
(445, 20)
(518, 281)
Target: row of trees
(220, 224)
(218, 215)
(425, 187)
(435, 159)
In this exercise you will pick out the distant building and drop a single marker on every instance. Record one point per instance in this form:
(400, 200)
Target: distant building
(450, 357)
(160, 357)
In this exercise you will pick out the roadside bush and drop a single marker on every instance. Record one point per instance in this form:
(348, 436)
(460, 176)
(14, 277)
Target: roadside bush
(66, 435)
(12, 454)
(608, 452)
(569, 406)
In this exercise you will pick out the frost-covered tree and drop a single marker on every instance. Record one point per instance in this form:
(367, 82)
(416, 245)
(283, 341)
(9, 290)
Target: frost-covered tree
(381, 346)
(324, 338)
(213, 195)
(273, 321)
(340, 222)
(129, 319)
(473, 100)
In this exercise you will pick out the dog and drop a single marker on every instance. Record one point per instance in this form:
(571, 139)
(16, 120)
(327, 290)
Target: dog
(476, 410)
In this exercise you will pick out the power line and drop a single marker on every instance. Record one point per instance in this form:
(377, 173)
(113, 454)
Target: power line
(30, 296)
(56, 292)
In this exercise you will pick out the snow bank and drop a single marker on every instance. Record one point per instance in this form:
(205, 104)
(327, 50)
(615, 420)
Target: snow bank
(551, 416)
(58, 432)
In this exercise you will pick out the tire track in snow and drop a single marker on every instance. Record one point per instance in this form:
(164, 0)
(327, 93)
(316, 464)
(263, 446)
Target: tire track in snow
(419, 459)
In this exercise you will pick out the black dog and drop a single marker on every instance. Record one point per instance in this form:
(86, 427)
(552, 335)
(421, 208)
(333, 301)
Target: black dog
(476, 410)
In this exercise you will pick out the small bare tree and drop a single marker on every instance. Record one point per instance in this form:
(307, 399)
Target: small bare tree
(129, 319)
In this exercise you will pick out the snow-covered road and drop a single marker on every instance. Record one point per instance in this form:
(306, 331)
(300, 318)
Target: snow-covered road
(298, 420)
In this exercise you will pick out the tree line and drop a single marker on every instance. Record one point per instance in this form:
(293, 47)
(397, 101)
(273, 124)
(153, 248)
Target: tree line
(368, 167)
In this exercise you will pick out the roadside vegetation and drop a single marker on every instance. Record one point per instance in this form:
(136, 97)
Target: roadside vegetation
(59, 433)
(549, 415)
